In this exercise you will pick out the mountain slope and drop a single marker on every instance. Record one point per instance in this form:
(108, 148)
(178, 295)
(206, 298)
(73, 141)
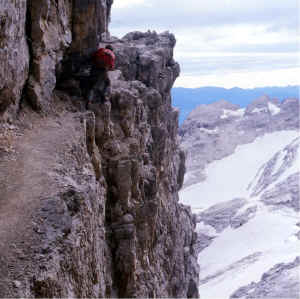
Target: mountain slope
(282, 281)
(246, 198)
(253, 234)
(212, 132)
(230, 177)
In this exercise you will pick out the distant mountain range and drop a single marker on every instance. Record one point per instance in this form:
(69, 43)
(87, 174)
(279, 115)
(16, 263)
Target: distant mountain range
(187, 99)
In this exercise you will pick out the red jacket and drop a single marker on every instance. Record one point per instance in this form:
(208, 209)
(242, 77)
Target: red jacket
(104, 58)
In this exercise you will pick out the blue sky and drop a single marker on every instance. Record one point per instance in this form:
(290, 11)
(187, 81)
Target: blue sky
(244, 43)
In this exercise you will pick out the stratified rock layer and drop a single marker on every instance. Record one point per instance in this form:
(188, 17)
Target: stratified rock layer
(89, 203)
(49, 30)
(14, 54)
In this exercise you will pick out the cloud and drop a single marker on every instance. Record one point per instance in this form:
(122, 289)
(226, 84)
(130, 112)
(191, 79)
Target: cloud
(252, 79)
(243, 38)
(239, 35)
(235, 62)
(192, 13)
(221, 26)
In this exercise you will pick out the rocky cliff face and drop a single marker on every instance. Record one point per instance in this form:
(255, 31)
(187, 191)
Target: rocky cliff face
(14, 54)
(89, 199)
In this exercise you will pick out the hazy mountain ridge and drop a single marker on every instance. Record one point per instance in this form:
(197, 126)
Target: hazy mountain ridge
(187, 99)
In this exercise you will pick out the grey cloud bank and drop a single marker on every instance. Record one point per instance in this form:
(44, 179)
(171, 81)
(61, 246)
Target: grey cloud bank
(264, 29)
(163, 14)
(204, 65)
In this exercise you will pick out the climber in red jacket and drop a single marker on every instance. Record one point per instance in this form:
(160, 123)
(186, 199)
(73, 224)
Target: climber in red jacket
(103, 60)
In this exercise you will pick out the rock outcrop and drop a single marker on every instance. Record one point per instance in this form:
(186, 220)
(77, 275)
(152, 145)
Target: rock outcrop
(222, 215)
(283, 167)
(89, 200)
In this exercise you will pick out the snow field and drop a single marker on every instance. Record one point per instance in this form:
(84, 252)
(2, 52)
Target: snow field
(229, 178)
(274, 109)
(236, 257)
(236, 113)
(267, 239)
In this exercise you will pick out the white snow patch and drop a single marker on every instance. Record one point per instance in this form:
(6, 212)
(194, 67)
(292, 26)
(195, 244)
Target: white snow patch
(274, 109)
(229, 178)
(293, 238)
(189, 175)
(296, 141)
(250, 204)
(209, 131)
(206, 229)
(235, 113)
(247, 252)
(259, 110)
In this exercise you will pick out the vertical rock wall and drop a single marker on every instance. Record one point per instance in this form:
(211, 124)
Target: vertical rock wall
(14, 55)
(90, 24)
(40, 33)
(110, 225)
(152, 235)
(50, 33)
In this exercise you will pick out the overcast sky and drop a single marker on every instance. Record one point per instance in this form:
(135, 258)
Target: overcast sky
(243, 43)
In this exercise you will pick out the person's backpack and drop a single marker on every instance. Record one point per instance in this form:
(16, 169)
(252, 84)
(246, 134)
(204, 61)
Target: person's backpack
(104, 59)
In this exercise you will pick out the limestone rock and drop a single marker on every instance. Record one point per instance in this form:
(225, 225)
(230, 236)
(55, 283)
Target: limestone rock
(90, 24)
(92, 209)
(148, 57)
(49, 29)
(14, 54)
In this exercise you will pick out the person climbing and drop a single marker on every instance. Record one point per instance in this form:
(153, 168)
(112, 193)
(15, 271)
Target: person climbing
(103, 60)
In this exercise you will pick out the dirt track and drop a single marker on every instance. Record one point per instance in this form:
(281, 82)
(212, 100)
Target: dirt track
(25, 178)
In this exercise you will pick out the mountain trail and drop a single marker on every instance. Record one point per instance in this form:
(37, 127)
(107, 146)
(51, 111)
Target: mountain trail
(24, 177)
